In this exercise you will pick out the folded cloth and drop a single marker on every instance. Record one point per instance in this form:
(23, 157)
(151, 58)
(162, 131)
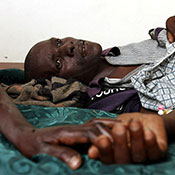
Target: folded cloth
(56, 92)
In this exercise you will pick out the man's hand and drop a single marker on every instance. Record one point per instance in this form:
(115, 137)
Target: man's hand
(57, 141)
(137, 138)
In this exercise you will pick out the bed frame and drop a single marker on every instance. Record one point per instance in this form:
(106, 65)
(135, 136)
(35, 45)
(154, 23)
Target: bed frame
(9, 65)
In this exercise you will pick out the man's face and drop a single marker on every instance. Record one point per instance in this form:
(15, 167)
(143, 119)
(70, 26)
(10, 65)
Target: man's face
(67, 57)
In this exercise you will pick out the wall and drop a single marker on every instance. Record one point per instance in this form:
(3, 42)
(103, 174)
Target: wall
(109, 22)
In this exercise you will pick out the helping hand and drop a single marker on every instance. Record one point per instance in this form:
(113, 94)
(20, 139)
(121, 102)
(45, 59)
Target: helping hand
(170, 26)
(137, 138)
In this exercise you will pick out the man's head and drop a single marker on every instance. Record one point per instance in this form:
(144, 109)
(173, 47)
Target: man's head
(66, 58)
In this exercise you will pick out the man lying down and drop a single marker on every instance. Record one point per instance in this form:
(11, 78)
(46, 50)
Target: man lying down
(120, 80)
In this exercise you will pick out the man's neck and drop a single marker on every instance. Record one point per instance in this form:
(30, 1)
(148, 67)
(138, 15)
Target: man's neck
(113, 71)
(104, 69)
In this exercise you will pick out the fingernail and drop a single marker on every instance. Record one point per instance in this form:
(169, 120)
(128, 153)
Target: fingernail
(135, 125)
(148, 134)
(118, 129)
(75, 162)
(104, 142)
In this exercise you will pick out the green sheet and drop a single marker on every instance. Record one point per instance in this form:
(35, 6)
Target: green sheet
(12, 162)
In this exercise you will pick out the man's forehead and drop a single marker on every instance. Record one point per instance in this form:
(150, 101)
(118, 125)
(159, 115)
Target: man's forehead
(45, 43)
(41, 47)
(42, 51)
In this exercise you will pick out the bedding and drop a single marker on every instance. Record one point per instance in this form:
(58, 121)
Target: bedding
(12, 162)
(57, 92)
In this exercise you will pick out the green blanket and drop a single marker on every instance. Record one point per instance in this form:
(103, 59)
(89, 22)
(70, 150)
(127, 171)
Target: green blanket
(12, 162)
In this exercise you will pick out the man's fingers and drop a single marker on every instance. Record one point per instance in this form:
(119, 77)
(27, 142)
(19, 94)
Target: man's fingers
(107, 122)
(104, 146)
(102, 130)
(138, 152)
(121, 150)
(93, 152)
(81, 134)
(153, 150)
(170, 37)
(102, 150)
(66, 154)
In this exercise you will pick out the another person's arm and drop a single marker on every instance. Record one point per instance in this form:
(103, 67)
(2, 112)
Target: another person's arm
(170, 26)
(139, 137)
(169, 122)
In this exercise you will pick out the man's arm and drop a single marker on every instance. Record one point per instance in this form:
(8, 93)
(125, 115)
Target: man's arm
(52, 140)
(148, 128)
(12, 123)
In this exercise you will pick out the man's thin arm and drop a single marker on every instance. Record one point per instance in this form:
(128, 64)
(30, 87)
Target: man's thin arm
(12, 123)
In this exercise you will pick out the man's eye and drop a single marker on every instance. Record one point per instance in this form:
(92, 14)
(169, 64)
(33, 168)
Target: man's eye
(58, 42)
(58, 63)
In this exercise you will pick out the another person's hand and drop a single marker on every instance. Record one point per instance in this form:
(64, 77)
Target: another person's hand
(137, 138)
(170, 26)
(57, 141)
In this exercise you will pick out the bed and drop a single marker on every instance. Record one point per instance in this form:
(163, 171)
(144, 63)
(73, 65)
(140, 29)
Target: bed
(12, 162)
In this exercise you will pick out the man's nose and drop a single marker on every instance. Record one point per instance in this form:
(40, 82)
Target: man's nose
(67, 49)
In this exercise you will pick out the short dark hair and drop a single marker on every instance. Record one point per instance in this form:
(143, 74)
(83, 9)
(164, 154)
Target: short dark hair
(28, 67)
(35, 67)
